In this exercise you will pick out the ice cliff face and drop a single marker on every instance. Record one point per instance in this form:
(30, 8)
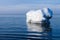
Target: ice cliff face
(47, 13)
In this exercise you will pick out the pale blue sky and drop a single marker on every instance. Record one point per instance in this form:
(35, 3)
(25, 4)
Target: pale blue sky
(15, 6)
(16, 2)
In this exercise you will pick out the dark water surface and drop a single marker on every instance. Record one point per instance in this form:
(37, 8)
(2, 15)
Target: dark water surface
(14, 27)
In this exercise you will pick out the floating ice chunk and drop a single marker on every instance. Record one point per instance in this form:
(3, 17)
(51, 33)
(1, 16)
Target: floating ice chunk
(38, 16)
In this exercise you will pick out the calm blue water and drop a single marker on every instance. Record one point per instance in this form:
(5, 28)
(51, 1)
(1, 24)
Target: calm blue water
(13, 27)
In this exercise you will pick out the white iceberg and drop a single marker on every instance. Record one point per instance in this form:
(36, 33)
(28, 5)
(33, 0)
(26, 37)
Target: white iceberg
(37, 16)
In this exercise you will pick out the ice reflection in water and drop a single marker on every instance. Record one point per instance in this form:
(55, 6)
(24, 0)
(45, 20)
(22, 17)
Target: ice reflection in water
(40, 31)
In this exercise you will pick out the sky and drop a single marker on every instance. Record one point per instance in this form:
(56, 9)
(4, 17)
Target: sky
(17, 6)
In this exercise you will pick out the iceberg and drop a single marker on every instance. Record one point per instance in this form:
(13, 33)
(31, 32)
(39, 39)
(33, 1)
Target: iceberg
(39, 16)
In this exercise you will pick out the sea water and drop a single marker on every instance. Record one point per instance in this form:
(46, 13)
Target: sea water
(14, 27)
